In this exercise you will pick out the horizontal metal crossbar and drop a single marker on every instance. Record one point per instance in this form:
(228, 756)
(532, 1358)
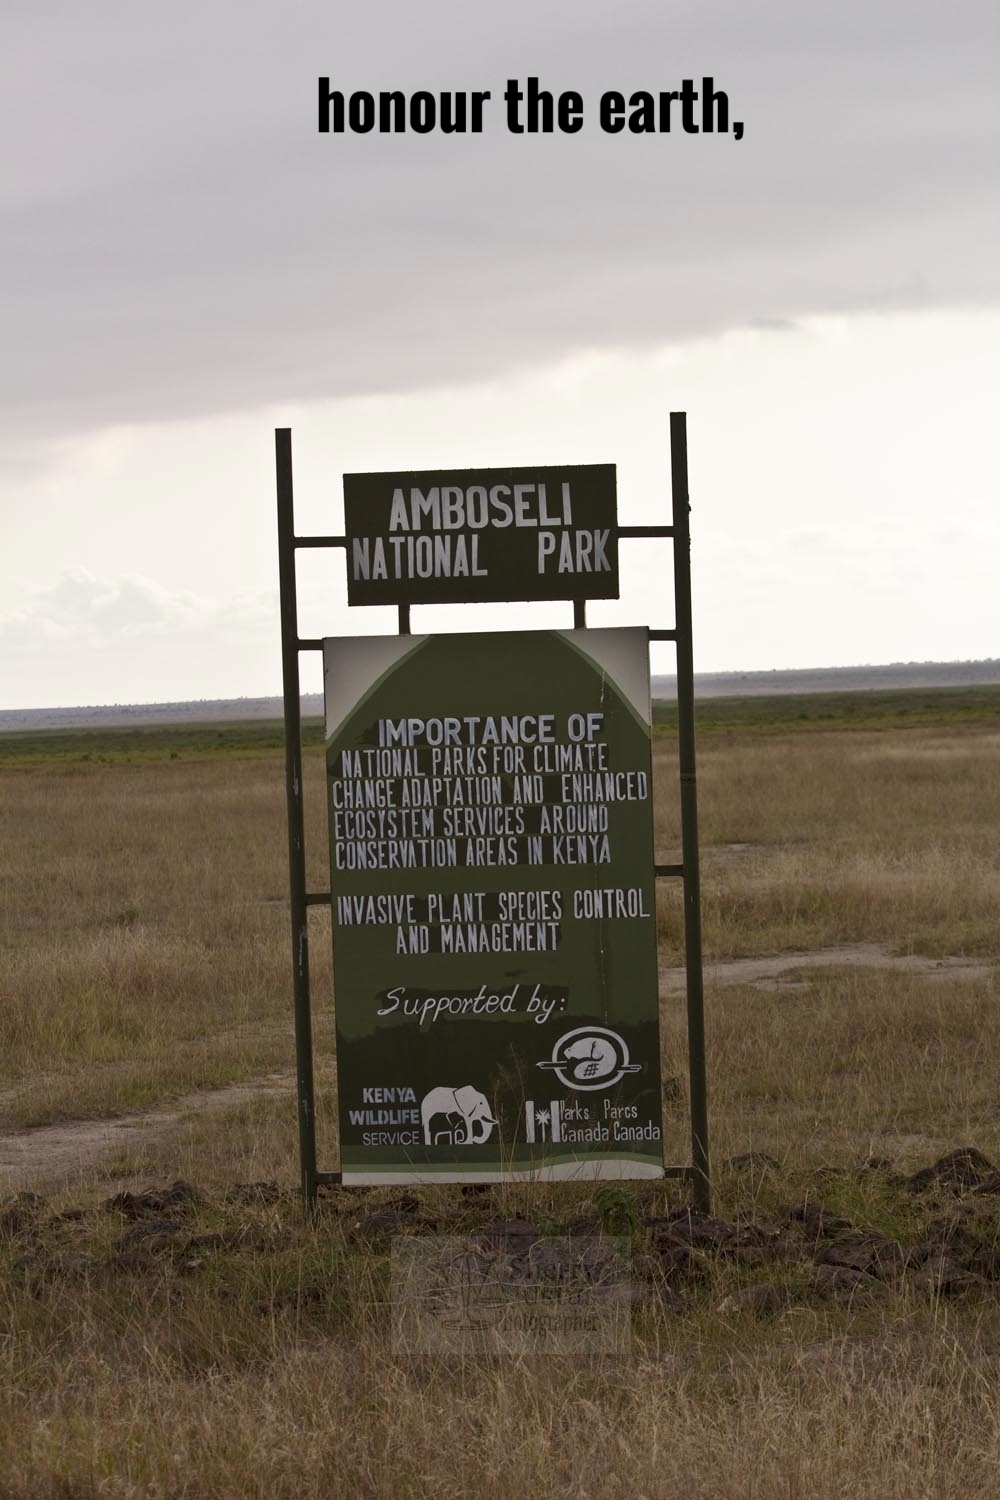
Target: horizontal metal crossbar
(325, 898)
(637, 531)
(654, 635)
(316, 644)
(627, 533)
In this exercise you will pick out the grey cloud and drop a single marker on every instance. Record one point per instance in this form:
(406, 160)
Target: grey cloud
(94, 611)
(179, 240)
(127, 638)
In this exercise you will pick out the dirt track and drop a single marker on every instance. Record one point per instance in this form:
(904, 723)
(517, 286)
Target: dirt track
(49, 1157)
(771, 971)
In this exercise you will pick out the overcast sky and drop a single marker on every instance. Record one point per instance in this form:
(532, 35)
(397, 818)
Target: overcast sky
(185, 262)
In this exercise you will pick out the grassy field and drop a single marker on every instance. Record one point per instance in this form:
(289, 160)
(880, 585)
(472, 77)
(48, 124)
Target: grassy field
(216, 1343)
(887, 708)
(139, 746)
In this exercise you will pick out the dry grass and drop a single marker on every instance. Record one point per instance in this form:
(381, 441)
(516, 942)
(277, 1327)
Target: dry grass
(144, 953)
(144, 933)
(275, 1373)
(853, 1063)
(844, 1415)
(843, 837)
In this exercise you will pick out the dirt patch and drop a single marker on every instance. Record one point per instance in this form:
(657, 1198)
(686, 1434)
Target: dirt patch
(53, 1157)
(59, 1156)
(637, 1251)
(775, 971)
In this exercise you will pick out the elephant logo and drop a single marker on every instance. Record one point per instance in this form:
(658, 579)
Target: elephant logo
(591, 1057)
(456, 1117)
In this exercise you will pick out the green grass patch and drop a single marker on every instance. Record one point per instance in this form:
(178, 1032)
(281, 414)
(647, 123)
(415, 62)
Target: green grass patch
(890, 708)
(152, 742)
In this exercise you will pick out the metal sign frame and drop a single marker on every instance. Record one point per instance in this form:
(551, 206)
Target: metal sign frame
(687, 871)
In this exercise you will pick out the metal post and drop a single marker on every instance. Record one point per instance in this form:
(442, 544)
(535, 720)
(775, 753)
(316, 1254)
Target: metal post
(296, 830)
(689, 811)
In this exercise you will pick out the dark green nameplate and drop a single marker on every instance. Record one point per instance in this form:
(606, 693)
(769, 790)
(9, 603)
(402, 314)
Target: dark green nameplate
(466, 535)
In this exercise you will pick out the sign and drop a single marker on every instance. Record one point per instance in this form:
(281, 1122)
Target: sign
(494, 923)
(444, 537)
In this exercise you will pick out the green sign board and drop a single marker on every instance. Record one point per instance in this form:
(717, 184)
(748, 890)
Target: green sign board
(441, 537)
(494, 924)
